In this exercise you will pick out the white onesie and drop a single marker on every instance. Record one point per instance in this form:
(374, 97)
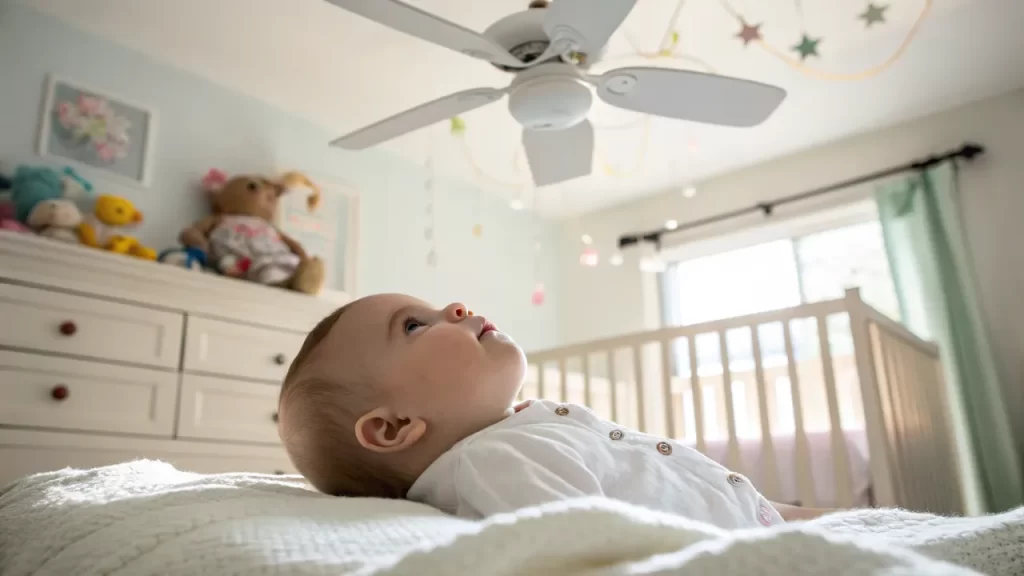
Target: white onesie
(550, 451)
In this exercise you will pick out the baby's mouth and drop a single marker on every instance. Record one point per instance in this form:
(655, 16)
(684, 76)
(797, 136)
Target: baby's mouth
(487, 327)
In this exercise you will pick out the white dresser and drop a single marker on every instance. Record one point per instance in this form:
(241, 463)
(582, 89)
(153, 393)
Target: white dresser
(105, 358)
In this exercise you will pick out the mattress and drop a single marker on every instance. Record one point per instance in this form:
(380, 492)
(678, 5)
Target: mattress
(147, 517)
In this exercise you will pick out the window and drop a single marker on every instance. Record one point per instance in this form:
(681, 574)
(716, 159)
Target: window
(829, 262)
(781, 273)
(811, 263)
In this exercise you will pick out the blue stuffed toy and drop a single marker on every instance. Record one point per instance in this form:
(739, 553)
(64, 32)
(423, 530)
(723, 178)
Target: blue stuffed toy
(32, 185)
(186, 257)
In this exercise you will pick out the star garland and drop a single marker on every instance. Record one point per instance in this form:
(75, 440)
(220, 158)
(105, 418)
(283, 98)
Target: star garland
(429, 205)
(808, 44)
(874, 14)
(807, 47)
(750, 33)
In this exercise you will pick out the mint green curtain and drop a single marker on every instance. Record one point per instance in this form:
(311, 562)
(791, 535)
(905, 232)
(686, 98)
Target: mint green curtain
(934, 280)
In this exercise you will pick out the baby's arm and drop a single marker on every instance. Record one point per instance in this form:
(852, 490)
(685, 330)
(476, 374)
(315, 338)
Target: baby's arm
(796, 513)
(511, 469)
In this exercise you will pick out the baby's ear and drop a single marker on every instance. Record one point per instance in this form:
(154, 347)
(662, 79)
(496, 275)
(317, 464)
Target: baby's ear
(380, 430)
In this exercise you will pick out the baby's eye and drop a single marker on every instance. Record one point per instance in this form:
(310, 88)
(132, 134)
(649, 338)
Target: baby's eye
(412, 324)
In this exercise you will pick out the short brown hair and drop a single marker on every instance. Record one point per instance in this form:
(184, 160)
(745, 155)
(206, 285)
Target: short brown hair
(317, 418)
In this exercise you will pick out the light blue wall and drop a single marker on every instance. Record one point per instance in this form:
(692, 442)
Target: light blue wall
(202, 125)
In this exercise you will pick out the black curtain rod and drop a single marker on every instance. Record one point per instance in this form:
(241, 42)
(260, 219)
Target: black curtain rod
(968, 151)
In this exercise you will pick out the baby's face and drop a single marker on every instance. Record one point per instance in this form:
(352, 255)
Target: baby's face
(445, 366)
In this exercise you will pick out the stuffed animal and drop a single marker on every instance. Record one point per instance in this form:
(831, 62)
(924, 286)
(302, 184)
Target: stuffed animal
(31, 185)
(58, 219)
(8, 221)
(187, 258)
(104, 228)
(241, 240)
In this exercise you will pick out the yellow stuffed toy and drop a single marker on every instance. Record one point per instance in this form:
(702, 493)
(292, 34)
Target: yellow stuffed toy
(101, 230)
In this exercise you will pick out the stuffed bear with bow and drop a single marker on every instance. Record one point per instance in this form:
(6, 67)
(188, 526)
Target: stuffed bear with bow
(240, 239)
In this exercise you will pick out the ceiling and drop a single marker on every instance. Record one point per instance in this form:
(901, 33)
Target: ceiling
(341, 72)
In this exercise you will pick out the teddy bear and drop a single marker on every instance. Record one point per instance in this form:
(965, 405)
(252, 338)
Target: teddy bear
(241, 240)
(57, 219)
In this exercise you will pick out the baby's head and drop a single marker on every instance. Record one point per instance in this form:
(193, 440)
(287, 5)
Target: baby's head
(385, 385)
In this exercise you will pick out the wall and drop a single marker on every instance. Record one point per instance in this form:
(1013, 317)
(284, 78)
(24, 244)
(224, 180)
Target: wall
(608, 300)
(201, 125)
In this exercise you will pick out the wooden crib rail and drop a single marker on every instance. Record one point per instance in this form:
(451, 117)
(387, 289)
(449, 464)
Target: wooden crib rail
(896, 400)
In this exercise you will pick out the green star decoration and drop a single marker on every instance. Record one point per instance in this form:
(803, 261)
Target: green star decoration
(458, 126)
(807, 47)
(874, 14)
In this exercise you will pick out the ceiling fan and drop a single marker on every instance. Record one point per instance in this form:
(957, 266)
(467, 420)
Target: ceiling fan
(549, 48)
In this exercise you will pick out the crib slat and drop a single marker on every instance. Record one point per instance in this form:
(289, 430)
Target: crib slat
(613, 386)
(733, 458)
(638, 380)
(893, 377)
(911, 436)
(562, 381)
(804, 477)
(840, 457)
(772, 480)
(870, 381)
(922, 430)
(588, 399)
(666, 387)
(886, 374)
(942, 472)
(697, 391)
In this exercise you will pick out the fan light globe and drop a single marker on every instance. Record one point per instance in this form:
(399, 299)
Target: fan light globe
(550, 103)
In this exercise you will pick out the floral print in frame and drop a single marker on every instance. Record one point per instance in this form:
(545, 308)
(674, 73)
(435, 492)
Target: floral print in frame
(94, 130)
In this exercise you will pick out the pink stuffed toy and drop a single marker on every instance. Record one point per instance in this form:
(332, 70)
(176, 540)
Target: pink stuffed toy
(7, 220)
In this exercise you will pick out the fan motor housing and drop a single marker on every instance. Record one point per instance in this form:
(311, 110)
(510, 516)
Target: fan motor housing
(522, 34)
(550, 102)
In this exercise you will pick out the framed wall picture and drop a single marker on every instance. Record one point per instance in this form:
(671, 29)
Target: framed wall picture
(331, 231)
(88, 128)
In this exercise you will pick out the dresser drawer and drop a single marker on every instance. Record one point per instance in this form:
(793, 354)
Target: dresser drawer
(222, 409)
(37, 319)
(48, 392)
(219, 347)
(24, 452)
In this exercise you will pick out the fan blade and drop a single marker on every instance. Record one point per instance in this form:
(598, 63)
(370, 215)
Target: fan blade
(689, 95)
(418, 117)
(586, 24)
(416, 22)
(558, 155)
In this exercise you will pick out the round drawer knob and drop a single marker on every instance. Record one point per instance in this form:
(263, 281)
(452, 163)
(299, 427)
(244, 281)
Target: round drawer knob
(274, 417)
(68, 328)
(280, 359)
(59, 392)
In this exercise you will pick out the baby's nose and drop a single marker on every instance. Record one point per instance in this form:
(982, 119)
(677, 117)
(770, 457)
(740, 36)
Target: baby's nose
(456, 312)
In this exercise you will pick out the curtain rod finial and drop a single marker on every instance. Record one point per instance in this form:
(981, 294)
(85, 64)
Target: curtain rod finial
(970, 150)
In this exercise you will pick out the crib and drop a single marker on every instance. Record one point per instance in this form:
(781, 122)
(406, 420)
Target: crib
(828, 404)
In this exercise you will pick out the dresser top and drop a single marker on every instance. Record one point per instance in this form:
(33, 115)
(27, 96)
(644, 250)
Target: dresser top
(31, 260)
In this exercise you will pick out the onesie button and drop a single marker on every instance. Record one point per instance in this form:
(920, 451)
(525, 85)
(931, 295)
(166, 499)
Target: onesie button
(665, 448)
(735, 479)
(562, 411)
(616, 434)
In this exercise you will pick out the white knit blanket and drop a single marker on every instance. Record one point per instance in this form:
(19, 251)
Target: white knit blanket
(146, 517)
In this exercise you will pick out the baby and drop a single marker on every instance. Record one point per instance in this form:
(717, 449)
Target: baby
(392, 398)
